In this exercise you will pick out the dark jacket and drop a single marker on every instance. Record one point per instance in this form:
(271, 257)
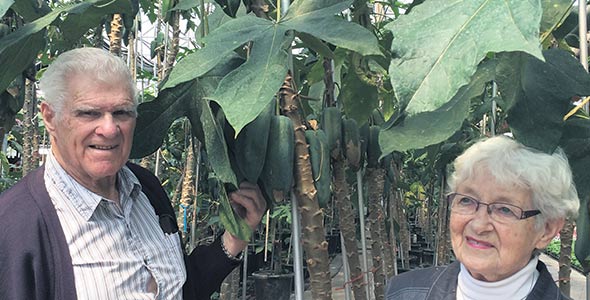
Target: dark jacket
(35, 261)
(440, 283)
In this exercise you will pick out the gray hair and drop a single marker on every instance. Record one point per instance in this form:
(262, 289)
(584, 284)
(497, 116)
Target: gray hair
(548, 177)
(94, 63)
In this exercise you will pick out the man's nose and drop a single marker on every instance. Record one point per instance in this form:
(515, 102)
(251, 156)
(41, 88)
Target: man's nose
(108, 126)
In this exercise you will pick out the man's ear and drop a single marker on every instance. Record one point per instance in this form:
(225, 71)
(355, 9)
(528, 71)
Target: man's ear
(551, 229)
(48, 117)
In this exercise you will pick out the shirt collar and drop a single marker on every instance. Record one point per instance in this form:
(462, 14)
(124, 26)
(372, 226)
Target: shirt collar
(84, 200)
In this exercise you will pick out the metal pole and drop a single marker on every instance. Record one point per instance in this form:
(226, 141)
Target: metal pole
(359, 182)
(583, 33)
(297, 257)
(346, 269)
(493, 112)
(245, 273)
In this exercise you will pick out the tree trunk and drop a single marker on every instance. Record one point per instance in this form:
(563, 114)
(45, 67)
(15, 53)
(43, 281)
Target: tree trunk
(174, 43)
(229, 287)
(442, 242)
(375, 181)
(132, 53)
(388, 246)
(312, 217)
(97, 36)
(565, 257)
(392, 234)
(347, 223)
(30, 155)
(188, 189)
(404, 232)
(116, 35)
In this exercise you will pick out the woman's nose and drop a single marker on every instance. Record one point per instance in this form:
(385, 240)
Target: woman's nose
(482, 220)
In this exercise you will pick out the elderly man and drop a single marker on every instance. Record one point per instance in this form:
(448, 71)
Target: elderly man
(90, 225)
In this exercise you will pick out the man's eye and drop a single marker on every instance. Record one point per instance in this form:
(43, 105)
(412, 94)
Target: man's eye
(88, 113)
(124, 113)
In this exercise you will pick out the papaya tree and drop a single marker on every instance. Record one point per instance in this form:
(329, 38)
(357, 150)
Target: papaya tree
(435, 81)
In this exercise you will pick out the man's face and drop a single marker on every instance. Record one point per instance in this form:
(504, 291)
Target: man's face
(92, 136)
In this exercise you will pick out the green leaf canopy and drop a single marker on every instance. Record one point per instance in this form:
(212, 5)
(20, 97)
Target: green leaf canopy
(244, 92)
(538, 94)
(438, 46)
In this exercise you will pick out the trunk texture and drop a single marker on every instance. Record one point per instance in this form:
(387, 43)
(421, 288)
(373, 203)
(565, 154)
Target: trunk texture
(230, 286)
(442, 242)
(376, 219)
(97, 36)
(347, 223)
(404, 233)
(388, 249)
(30, 156)
(312, 217)
(174, 42)
(188, 189)
(116, 35)
(392, 234)
(565, 257)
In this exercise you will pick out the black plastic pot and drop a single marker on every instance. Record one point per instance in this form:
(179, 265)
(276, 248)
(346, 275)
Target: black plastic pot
(269, 286)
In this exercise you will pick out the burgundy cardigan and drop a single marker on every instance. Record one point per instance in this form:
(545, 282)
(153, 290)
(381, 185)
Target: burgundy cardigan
(35, 261)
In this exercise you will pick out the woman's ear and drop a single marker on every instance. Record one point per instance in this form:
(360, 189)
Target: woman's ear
(551, 229)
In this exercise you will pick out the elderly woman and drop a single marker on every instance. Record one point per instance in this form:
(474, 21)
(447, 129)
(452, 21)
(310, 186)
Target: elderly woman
(506, 202)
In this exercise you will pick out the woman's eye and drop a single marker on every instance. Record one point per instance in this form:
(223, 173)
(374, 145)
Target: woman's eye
(465, 201)
(505, 210)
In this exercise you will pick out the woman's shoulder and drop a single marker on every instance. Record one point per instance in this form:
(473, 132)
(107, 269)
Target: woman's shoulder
(419, 283)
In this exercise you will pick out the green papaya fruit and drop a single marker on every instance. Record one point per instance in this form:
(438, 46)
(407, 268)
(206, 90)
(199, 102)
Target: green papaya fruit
(351, 143)
(277, 172)
(320, 164)
(251, 143)
(332, 125)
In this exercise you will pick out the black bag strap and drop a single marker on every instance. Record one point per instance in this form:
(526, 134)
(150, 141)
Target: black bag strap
(152, 188)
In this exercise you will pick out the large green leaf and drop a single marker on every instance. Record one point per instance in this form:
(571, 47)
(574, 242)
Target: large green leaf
(29, 10)
(244, 93)
(554, 13)
(438, 45)
(545, 91)
(219, 44)
(317, 19)
(231, 222)
(78, 21)
(4, 6)
(217, 151)
(431, 127)
(358, 97)
(19, 56)
(20, 48)
(155, 117)
(576, 144)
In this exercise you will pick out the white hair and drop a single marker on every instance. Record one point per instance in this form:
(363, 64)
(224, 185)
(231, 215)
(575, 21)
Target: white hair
(94, 63)
(548, 177)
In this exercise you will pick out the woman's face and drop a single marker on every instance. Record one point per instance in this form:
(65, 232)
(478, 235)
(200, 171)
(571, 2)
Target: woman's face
(493, 251)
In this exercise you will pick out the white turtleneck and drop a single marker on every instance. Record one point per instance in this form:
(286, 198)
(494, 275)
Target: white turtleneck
(515, 287)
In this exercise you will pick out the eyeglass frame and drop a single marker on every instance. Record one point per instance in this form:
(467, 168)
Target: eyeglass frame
(525, 214)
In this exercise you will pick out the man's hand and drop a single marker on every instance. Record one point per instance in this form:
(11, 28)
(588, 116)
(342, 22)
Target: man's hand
(250, 205)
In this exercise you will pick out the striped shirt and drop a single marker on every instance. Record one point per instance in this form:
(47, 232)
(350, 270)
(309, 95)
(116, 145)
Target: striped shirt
(118, 252)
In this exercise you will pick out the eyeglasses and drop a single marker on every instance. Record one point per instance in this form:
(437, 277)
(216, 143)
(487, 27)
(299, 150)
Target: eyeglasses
(498, 211)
